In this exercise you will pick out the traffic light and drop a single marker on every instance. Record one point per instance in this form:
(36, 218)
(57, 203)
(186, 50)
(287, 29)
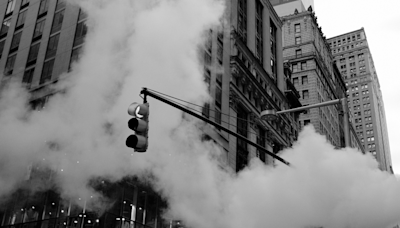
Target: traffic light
(140, 124)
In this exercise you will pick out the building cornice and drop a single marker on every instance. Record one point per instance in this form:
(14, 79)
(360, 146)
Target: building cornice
(348, 33)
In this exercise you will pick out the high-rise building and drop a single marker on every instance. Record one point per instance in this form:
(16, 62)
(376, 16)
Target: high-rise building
(286, 7)
(315, 75)
(354, 60)
(254, 80)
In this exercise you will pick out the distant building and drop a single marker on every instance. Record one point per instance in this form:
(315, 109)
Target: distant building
(354, 60)
(315, 75)
(287, 7)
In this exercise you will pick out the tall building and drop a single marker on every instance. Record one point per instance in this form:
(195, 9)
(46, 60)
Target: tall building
(286, 7)
(315, 75)
(354, 59)
(249, 52)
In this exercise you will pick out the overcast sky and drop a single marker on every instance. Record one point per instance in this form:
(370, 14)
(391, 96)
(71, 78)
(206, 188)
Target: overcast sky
(381, 22)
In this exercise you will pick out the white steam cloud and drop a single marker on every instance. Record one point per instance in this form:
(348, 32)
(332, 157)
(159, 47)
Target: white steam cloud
(81, 133)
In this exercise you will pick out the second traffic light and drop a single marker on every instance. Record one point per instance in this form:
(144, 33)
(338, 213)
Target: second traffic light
(140, 124)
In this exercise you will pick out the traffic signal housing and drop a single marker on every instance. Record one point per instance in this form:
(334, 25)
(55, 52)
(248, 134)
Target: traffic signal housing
(140, 124)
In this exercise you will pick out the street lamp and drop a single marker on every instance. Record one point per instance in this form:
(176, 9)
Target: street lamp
(272, 115)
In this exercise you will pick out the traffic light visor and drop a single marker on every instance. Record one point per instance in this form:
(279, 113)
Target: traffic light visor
(137, 142)
(138, 110)
(137, 125)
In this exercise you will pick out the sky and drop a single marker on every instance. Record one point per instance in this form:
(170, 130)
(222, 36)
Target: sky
(381, 22)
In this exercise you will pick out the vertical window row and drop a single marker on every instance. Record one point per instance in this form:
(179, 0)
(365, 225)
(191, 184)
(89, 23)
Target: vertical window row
(81, 29)
(241, 145)
(273, 31)
(242, 19)
(207, 81)
(259, 31)
(80, 34)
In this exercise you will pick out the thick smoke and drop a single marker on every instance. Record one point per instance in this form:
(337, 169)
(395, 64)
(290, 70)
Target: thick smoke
(81, 133)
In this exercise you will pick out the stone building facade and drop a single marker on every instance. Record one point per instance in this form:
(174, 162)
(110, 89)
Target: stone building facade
(315, 75)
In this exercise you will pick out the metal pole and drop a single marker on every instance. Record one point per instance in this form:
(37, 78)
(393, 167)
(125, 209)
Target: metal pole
(342, 101)
(326, 103)
(346, 122)
(146, 92)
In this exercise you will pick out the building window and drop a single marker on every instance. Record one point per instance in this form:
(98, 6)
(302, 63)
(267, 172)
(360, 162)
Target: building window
(37, 34)
(33, 53)
(8, 70)
(4, 27)
(297, 28)
(207, 58)
(206, 110)
(24, 3)
(44, 5)
(75, 55)
(305, 94)
(242, 19)
(304, 80)
(57, 21)
(298, 53)
(82, 15)
(303, 65)
(218, 116)
(218, 96)
(261, 141)
(80, 33)
(15, 42)
(298, 40)
(10, 7)
(52, 46)
(294, 68)
(2, 47)
(47, 71)
(21, 20)
(295, 81)
(60, 4)
(241, 145)
(218, 79)
(220, 53)
(28, 75)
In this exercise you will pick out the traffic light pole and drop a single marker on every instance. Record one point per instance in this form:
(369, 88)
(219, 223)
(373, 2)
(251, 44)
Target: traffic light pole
(145, 92)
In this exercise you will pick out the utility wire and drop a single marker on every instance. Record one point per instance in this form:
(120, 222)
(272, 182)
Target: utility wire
(229, 124)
